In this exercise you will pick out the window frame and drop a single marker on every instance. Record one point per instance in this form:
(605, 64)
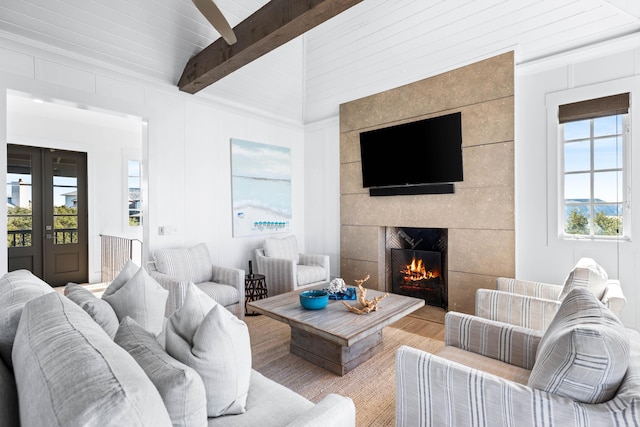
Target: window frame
(554, 167)
(591, 171)
(129, 209)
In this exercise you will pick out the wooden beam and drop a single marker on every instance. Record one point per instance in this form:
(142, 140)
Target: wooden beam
(273, 25)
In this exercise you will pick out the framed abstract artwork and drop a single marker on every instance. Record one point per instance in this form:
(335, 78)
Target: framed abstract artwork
(260, 188)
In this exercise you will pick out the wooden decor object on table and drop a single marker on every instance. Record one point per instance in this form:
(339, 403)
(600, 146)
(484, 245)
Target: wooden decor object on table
(367, 304)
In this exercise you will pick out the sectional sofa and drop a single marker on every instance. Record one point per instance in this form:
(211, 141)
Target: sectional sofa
(76, 360)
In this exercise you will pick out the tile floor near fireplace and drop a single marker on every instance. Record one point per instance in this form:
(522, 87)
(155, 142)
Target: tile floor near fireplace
(416, 263)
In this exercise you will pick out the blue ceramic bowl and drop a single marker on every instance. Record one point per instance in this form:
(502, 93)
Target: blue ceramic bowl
(314, 300)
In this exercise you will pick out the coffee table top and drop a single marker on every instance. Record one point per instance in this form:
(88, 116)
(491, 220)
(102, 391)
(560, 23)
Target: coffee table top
(335, 322)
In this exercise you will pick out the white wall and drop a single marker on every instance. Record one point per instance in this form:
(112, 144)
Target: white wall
(107, 149)
(322, 195)
(186, 156)
(540, 254)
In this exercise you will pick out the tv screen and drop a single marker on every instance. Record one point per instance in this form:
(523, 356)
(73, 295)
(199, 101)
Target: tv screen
(424, 152)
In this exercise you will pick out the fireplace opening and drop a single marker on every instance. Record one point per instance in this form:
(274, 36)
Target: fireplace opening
(417, 263)
(417, 274)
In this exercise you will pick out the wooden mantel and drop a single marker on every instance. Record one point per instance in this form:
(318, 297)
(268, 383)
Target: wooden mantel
(273, 25)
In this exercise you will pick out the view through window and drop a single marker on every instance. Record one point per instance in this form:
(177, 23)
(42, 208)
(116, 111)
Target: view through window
(594, 149)
(135, 195)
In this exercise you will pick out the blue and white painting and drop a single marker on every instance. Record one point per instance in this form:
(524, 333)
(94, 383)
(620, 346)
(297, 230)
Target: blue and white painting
(260, 187)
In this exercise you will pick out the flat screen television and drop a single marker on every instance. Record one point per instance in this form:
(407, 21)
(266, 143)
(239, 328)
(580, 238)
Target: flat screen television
(427, 151)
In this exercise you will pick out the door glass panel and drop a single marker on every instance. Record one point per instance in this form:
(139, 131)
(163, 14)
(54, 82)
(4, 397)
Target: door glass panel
(19, 194)
(65, 201)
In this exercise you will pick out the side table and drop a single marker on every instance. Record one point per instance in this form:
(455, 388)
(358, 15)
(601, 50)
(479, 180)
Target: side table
(255, 288)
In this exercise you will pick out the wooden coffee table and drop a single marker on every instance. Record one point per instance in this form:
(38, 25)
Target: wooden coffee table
(333, 337)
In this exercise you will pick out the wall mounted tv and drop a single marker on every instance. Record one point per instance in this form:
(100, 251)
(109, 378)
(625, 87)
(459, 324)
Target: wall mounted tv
(422, 157)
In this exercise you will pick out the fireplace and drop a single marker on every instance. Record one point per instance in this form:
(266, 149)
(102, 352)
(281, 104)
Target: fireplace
(417, 263)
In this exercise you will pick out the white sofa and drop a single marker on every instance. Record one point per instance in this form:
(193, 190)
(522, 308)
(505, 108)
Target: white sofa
(60, 367)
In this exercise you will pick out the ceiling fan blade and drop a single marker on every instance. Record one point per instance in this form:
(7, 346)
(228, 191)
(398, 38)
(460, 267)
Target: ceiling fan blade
(210, 11)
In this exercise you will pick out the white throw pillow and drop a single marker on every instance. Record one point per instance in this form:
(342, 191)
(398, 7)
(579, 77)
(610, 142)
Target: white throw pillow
(180, 386)
(286, 248)
(584, 352)
(588, 274)
(16, 289)
(141, 298)
(127, 272)
(204, 335)
(70, 373)
(99, 310)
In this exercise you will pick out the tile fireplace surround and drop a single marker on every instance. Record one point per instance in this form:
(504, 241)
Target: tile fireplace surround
(479, 215)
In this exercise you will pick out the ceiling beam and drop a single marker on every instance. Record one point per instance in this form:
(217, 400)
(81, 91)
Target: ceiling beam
(273, 25)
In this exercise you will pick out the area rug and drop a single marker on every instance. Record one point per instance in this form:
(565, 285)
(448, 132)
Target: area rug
(371, 385)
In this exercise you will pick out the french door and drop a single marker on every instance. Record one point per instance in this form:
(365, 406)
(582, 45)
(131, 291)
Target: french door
(47, 213)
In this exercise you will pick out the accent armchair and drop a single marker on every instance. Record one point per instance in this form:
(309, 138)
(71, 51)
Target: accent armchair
(175, 268)
(534, 304)
(584, 370)
(286, 269)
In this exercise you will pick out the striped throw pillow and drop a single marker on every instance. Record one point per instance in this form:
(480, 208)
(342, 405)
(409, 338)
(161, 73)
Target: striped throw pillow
(587, 274)
(584, 353)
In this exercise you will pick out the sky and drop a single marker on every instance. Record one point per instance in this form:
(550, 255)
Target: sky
(607, 155)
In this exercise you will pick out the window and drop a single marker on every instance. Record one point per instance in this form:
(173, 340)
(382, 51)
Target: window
(135, 194)
(594, 138)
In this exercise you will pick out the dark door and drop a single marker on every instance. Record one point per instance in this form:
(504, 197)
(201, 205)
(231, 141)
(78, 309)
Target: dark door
(56, 246)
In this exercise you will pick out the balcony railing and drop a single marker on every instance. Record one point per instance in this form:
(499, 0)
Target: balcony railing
(22, 238)
(18, 238)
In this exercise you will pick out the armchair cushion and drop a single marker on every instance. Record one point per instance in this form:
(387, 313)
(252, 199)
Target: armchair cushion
(285, 248)
(584, 353)
(310, 273)
(586, 273)
(207, 337)
(516, 309)
(192, 263)
(222, 294)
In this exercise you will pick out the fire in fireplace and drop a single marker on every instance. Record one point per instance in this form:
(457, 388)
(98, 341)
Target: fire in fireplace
(417, 273)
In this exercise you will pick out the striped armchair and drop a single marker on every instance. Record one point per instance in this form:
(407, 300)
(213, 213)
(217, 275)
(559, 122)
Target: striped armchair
(534, 304)
(175, 268)
(286, 269)
(583, 371)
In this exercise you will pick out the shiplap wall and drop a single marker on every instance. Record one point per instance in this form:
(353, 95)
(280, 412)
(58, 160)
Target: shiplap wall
(374, 46)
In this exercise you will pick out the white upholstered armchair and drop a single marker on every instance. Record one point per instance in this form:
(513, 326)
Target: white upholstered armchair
(175, 268)
(583, 370)
(286, 269)
(534, 304)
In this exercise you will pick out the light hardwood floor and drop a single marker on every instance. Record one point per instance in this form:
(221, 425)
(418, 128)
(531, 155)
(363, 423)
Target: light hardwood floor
(419, 326)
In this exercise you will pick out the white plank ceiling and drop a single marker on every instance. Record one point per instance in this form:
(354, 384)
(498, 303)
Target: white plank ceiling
(374, 46)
